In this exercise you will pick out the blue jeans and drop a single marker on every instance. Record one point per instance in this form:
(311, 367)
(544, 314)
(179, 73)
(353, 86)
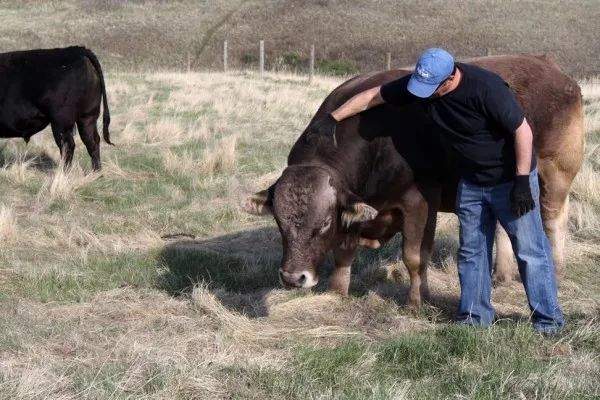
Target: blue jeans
(478, 209)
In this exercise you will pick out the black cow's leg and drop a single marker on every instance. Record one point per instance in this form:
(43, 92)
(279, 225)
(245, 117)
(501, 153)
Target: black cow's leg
(340, 278)
(90, 137)
(63, 136)
(418, 230)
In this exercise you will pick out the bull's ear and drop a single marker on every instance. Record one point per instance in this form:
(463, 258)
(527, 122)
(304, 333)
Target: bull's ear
(355, 210)
(358, 212)
(260, 203)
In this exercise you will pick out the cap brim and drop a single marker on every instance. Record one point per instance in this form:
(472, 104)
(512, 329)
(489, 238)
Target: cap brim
(420, 89)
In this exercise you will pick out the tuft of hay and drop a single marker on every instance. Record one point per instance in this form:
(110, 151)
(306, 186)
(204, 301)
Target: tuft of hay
(8, 224)
(63, 183)
(221, 157)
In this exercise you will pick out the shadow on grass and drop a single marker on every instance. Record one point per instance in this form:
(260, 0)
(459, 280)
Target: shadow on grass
(42, 161)
(240, 269)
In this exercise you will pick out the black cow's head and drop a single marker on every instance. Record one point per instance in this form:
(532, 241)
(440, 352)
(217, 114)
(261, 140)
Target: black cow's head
(312, 210)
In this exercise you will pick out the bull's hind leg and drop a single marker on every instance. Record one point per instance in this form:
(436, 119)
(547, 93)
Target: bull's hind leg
(554, 203)
(63, 136)
(88, 131)
(505, 264)
(556, 176)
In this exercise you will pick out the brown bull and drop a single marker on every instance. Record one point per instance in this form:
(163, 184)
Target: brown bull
(389, 173)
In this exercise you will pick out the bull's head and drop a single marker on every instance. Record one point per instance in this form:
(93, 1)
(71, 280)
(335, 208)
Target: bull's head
(312, 210)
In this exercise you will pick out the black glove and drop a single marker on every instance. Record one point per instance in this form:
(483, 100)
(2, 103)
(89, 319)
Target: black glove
(521, 201)
(324, 127)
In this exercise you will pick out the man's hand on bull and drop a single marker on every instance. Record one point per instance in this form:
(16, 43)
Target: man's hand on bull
(521, 201)
(323, 127)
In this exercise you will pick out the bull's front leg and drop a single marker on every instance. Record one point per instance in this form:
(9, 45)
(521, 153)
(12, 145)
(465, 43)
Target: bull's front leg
(340, 278)
(418, 230)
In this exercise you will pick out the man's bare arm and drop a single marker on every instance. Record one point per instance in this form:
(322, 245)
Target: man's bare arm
(523, 148)
(325, 126)
(520, 197)
(359, 103)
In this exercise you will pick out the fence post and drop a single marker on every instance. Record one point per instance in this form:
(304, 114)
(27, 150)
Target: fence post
(225, 56)
(262, 57)
(388, 61)
(488, 51)
(311, 67)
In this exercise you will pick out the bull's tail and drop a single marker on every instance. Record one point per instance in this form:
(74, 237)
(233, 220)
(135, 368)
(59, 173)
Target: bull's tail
(105, 113)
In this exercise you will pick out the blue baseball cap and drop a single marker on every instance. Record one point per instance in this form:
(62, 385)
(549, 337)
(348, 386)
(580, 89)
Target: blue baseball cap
(433, 67)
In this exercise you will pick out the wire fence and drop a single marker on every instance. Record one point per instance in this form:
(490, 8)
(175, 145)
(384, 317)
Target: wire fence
(293, 61)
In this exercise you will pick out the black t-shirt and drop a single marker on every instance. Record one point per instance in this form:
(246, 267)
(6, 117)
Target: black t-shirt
(478, 119)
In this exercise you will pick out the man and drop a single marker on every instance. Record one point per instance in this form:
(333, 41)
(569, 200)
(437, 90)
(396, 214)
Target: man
(485, 128)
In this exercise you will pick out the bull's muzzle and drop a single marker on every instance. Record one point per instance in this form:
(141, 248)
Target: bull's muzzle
(304, 279)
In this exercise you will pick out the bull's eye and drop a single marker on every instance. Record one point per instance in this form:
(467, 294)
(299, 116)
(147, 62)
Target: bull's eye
(325, 226)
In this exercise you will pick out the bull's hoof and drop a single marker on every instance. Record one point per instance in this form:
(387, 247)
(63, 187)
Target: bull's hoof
(414, 304)
(341, 291)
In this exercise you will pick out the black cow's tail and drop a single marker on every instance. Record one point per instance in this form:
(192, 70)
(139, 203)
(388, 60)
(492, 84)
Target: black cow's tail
(105, 113)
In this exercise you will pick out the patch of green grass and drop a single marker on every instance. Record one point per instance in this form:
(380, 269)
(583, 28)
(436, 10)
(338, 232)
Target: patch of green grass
(585, 274)
(33, 185)
(114, 195)
(330, 367)
(449, 362)
(186, 117)
(584, 336)
(105, 381)
(261, 158)
(59, 206)
(215, 218)
(337, 67)
(463, 360)
(123, 196)
(144, 161)
(79, 281)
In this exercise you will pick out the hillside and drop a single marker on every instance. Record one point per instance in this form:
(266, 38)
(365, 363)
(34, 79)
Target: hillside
(142, 34)
(147, 280)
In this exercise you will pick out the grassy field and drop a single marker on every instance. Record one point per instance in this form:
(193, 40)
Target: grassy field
(147, 281)
(349, 35)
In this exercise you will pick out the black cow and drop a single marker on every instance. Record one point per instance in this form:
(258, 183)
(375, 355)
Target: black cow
(60, 87)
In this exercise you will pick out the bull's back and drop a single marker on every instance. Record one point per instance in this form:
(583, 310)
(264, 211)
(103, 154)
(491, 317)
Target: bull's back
(542, 89)
(551, 101)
